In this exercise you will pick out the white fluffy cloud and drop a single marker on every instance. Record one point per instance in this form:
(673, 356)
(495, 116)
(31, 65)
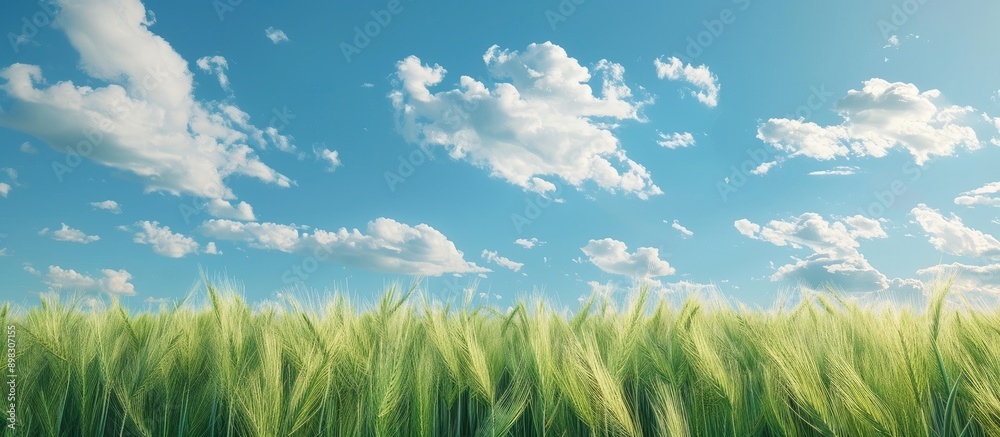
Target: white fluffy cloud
(863, 227)
(329, 157)
(612, 256)
(145, 120)
(987, 195)
(163, 241)
(879, 117)
(950, 235)
(763, 168)
(528, 243)
(700, 77)
(26, 147)
(545, 123)
(747, 228)
(506, 263)
(216, 65)
(66, 233)
(386, 246)
(210, 249)
(223, 209)
(676, 140)
(835, 258)
(4, 189)
(108, 205)
(276, 35)
(685, 233)
(112, 281)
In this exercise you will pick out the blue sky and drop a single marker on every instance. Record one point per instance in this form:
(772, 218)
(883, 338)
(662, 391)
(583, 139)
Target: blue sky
(563, 148)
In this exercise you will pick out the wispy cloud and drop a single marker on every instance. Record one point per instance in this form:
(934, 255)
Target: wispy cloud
(276, 35)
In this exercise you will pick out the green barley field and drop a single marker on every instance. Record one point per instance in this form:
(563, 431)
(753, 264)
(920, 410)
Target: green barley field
(404, 366)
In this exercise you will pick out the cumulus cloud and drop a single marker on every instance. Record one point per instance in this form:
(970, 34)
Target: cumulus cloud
(163, 241)
(222, 209)
(276, 35)
(840, 170)
(834, 245)
(528, 243)
(145, 120)
(108, 205)
(860, 226)
(612, 256)
(987, 195)
(544, 123)
(68, 234)
(386, 246)
(685, 233)
(506, 263)
(879, 117)
(329, 157)
(216, 65)
(966, 278)
(4, 189)
(700, 77)
(950, 235)
(675, 140)
(111, 281)
(210, 249)
(747, 228)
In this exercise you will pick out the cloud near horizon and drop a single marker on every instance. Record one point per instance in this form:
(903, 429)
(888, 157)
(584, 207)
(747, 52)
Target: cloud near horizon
(387, 245)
